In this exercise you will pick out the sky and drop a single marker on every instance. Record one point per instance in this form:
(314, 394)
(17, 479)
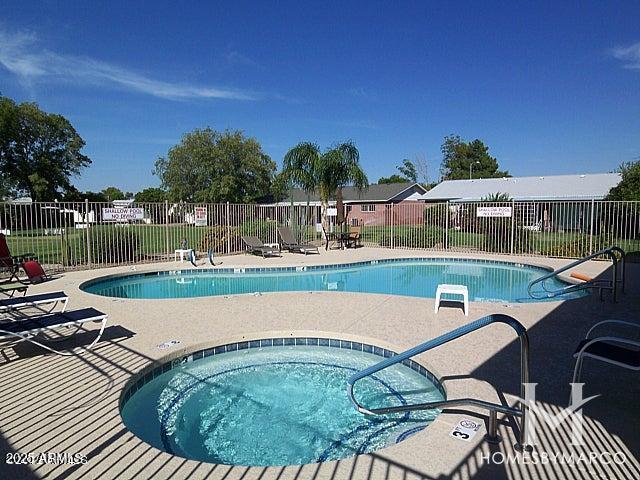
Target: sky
(550, 87)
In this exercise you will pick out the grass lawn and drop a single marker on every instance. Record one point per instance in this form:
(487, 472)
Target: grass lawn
(156, 241)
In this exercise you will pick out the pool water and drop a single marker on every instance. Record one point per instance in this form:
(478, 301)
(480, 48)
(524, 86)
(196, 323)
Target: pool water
(279, 405)
(487, 280)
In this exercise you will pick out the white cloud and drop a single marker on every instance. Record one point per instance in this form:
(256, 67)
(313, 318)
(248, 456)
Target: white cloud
(630, 55)
(235, 57)
(19, 54)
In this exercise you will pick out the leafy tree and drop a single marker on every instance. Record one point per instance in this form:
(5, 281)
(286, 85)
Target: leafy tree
(39, 151)
(5, 188)
(629, 186)
(409, 174)
(114, 193)
(279, 187)
(392, 179)
(459, 158)
(151, 195)
(211, 166)
(310, 169)
(409, 170)
(74, 195)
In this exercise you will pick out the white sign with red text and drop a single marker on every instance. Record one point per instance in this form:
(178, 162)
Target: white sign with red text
(200, 217)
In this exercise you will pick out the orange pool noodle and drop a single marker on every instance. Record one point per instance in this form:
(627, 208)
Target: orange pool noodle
(581, 276)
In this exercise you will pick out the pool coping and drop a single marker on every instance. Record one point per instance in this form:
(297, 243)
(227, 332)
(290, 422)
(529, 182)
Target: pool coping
(185, 355)
(265, 340)
(307, 268)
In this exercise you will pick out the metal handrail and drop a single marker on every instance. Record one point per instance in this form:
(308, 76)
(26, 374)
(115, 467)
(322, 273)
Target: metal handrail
(612, 285)
(436, 342)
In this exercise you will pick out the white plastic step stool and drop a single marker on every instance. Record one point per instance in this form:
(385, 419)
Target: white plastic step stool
(453, 290)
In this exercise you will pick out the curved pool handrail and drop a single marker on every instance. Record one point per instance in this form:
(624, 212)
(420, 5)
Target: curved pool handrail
(601, 284)
(493, 408)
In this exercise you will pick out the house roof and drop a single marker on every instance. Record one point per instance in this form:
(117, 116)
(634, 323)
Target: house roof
(375, 193)
(555, 187)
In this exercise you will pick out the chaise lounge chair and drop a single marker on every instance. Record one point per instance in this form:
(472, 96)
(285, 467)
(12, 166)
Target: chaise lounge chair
(255, 246)
(34, 301)
(10, 288)
(25, 329)
(619, 351)
(290, 243)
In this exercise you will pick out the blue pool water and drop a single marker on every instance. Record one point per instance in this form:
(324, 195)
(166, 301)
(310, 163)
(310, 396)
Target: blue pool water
(487, 280)
(277, 405)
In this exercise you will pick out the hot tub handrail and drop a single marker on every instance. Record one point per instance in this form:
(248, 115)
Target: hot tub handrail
(601, 284)
(441, 340)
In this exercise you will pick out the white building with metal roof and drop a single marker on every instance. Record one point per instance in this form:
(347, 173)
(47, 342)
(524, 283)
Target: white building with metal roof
(594, 186)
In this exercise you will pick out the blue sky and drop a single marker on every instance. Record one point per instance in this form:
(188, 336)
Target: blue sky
(551, 88)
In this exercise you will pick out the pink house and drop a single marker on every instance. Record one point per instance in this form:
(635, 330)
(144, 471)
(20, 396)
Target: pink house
(376, 205)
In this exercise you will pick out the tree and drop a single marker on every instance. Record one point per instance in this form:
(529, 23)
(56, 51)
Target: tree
(211, 166)
(39, 151)
(395, 178)
(461, 160)
(114, 193)
(310, 169)
(279, 187)
(74, 195)
(408, 170)
(629, 186)
(151, 195)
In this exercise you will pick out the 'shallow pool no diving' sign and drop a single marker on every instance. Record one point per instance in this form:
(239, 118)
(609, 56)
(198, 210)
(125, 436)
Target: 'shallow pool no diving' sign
(122, 214)
(493, 211)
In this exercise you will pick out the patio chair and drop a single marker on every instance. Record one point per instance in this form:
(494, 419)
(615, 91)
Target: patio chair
(619, 351)
(25, 329)
(11, 263)
(255, 246)
(34, 301)
(354, 236)
(290, 243)
(329, 237)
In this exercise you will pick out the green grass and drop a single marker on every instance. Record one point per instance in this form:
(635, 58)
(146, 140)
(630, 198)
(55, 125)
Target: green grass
(155, 241)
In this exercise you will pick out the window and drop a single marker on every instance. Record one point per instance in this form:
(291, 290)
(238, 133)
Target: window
(367, 207)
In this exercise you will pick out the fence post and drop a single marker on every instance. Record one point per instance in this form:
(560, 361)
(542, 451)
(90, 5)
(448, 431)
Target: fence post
(87, 238)
(228, 231)
(446, 226)
(593, 201)
(513, 221)
(166, 228)
(393, 240)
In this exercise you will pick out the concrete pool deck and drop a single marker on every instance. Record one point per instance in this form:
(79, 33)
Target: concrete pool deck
(70, 404)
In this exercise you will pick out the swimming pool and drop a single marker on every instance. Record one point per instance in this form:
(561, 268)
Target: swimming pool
(277, 401)
(488, 281)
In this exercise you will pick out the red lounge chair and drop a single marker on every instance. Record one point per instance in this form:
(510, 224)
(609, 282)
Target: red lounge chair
(11, 263)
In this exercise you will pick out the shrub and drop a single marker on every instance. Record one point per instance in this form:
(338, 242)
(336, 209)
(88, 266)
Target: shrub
(263, 229)
(577, 248)
(215, 239)
(420, 237)
(117, 245)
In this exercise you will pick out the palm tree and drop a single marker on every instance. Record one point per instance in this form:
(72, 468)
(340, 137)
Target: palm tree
(310, 169)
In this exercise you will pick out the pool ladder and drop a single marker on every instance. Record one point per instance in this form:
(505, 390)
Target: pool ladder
(612, 252)
(493, 408)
